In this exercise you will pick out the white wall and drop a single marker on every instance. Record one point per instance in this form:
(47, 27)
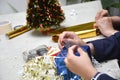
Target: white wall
(12, 6)
(5, 8)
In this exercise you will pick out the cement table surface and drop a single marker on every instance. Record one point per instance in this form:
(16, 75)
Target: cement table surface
(11, 58)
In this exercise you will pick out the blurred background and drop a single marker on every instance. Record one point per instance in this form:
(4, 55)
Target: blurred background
(14, 6)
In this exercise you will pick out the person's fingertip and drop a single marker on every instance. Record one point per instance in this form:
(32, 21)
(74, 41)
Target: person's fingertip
(94, 25)
(80, 50)
(73, 47)
(65, 60)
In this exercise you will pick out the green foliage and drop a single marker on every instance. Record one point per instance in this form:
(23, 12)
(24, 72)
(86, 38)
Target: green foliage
(116, 5)
(110, 3)
(86, 0)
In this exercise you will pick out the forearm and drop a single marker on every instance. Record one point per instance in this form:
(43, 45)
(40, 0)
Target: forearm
(116, 20)
(90, 73)
(105, 49)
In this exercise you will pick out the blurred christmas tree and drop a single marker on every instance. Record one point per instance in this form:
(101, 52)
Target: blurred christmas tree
(44, 14)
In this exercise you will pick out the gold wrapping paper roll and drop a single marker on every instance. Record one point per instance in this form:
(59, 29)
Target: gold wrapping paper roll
(82, 34)
(17, 32)
(85, 30)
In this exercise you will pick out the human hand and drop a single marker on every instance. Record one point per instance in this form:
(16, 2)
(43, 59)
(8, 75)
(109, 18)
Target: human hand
(71, 37)
(80, 65)
(105, 26)
(101, 14)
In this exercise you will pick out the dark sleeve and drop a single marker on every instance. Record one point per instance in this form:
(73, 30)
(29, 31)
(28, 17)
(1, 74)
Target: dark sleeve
(108, 48)
(103, 77)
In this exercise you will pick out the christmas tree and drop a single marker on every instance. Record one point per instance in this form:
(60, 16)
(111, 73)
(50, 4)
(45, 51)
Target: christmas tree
(44, 14)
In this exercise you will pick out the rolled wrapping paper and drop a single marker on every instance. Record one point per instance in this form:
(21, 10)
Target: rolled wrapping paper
(18, 31)
(85, 30)
(82, 34)
(5, 26)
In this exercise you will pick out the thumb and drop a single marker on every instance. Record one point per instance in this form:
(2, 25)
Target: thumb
(81, 51)
(65, 60)
(95, 25)
(71, 50)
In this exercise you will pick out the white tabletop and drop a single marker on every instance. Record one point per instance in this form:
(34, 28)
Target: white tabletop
(11, 59)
